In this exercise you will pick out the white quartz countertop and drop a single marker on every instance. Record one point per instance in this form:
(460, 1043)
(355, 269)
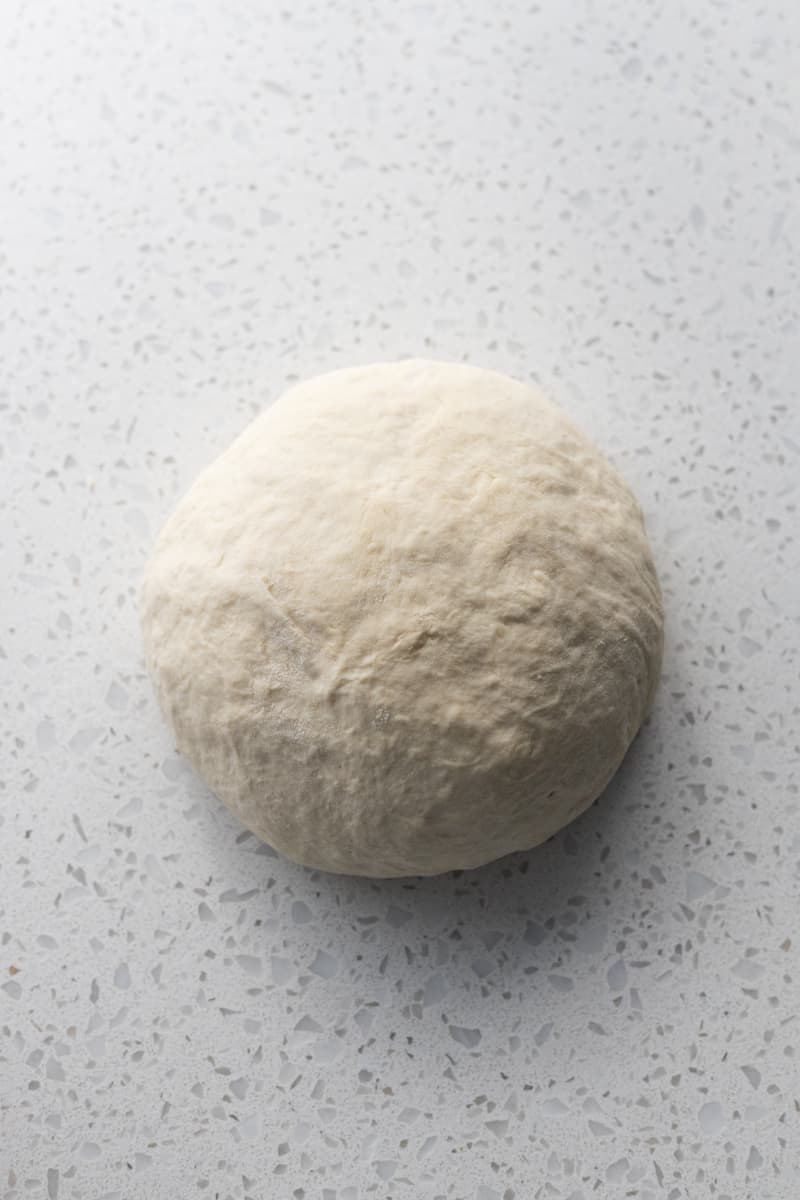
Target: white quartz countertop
(202, 202)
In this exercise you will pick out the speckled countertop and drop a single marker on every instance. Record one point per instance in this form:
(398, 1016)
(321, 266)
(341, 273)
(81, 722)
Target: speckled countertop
(201, 203)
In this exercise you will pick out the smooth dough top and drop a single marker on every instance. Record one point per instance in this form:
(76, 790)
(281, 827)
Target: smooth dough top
(408, 622)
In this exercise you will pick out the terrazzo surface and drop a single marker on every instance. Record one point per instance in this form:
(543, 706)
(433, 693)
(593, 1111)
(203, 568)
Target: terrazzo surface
(203, 203)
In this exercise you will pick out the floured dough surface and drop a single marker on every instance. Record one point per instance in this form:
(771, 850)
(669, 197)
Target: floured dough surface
(408, 622)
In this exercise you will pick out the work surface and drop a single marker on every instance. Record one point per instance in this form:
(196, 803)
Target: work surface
(203, 203)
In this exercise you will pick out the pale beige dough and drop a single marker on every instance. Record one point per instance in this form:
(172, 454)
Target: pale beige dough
(408, 622)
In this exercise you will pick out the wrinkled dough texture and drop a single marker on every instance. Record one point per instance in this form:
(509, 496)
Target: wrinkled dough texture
(408, 622)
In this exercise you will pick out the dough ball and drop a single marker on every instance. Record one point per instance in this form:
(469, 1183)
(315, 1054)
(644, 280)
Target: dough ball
(408, 622)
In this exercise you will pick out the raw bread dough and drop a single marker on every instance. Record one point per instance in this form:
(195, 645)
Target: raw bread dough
(408, 622)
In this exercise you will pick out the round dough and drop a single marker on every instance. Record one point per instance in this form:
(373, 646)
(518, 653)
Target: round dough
(408, 622)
